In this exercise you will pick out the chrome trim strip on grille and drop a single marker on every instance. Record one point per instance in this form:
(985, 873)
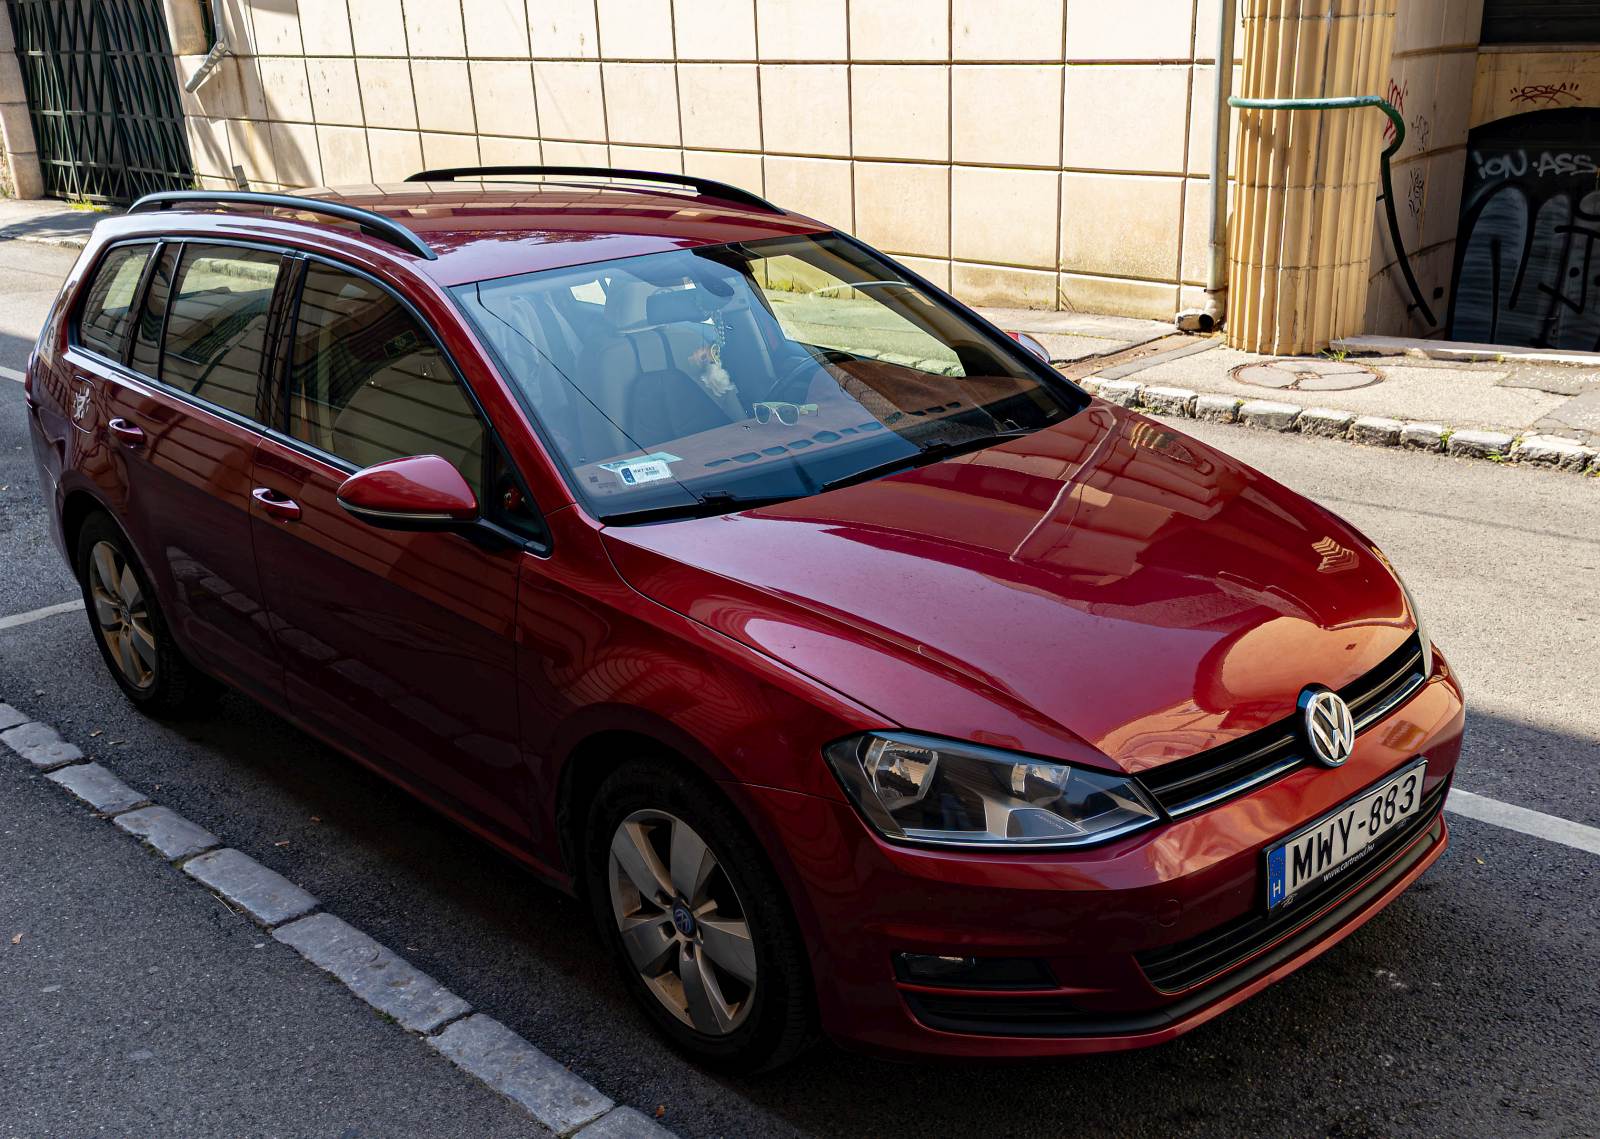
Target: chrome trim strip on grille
(1285, 765)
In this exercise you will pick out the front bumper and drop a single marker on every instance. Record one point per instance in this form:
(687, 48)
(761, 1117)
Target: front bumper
(1113, 925)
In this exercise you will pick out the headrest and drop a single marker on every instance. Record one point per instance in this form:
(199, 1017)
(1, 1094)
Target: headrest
(674, 306)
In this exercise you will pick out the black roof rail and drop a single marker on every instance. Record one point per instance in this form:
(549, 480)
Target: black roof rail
(373, 223)
(707, 186)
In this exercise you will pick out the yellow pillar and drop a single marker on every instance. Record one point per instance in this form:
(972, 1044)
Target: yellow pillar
(1304, 182)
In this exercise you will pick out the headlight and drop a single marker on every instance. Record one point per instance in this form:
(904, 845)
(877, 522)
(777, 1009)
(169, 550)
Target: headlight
(939, 792)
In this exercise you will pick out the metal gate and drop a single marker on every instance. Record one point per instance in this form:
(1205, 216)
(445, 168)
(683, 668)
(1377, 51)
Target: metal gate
(103, 96)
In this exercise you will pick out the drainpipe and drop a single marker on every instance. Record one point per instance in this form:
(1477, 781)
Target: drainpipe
(219, 51)
(1216, 306)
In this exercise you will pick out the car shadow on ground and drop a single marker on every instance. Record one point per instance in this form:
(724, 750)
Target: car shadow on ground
(1442, 1005)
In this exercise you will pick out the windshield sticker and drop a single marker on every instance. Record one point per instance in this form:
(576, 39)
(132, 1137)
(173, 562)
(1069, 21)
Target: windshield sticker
(651, 468)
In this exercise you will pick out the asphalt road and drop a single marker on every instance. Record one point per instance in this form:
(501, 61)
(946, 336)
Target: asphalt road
(1470, 1007)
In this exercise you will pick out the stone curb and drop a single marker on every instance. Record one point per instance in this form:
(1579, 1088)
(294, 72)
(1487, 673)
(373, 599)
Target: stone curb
(1552, 451)
(476, 1043)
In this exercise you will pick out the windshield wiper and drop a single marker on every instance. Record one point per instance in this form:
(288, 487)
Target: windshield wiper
(707, 505)
(932, 453)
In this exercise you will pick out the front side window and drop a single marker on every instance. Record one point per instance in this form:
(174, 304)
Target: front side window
(216, 325)
(697, 380)
(108, 308)
(367, 385)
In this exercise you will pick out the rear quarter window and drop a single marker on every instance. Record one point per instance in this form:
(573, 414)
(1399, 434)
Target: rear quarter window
(107, 314)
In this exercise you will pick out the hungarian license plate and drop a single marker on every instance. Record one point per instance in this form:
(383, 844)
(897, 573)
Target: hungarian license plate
(1337, 840)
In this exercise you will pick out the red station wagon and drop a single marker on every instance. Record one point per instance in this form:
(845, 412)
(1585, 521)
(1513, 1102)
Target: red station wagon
(865, 675)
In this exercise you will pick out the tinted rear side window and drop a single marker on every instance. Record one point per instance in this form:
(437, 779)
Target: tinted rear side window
(367, 385)
(216, 325)
(108, 308)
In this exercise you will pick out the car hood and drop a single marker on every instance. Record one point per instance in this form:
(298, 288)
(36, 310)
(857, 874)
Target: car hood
(1108, 591)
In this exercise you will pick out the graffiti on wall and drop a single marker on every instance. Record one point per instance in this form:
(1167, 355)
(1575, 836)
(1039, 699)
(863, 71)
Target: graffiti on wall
(1528, 247)
(1546, 94)
(1395, 96)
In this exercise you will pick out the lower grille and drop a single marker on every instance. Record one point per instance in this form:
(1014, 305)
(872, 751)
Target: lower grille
(1173, 968)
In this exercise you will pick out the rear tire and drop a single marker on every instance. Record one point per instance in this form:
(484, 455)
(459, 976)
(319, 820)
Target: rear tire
(130, 629)
(714, 958)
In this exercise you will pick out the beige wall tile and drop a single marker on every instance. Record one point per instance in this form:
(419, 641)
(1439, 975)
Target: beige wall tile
(805, 108)
(1120, 224)
(570, 103)
(902, 208)
(1081, 293)
(208, 145)
(335, 94)
(743, 170)
(900, 29)
(641, 103)
(378, 27)
(1002, 285)
(720, 105)
(900, 111)
(935, 270)
(434, 29)
(635, 29)
(1441, 216)
(1131, 29)
(1006, 115)
(386, 93)
(817, 187)
(1004, 216)
(288, 92)
(344, 156)
(1006, 29)
(576, 153)
(294, 152)
(395, 154)
(1206, 14)
(325, 27)
(802, 29)
(1453, 105)
(502, 93)
(1126, 118)
(496, 29)
(277, 29)
(563, 29)
(715, 29)
(659, 158)
(1196, 230)
(237, 27)
(496, 150)
(251, 95)
(441, 150)
(444, 94)
(1201, 121)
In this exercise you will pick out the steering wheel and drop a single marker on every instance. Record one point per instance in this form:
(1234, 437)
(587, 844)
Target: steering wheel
(781, 386)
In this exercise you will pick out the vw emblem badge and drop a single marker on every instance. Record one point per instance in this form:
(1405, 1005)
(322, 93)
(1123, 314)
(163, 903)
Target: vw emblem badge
(1330, 730)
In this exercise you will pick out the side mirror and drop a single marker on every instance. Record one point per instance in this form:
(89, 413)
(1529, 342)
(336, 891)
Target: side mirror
(1031, 345)
(423, 492)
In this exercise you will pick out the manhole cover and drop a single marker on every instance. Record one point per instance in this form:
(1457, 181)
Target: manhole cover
(1306, 375)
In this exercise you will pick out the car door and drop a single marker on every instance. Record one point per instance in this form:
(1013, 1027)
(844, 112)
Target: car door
(397, 646)
(178, 410)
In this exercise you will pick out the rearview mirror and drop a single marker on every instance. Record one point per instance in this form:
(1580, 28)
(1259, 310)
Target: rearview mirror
(423, 492)
(1030, 344)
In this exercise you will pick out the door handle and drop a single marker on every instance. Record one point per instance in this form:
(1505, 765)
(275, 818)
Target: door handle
(276, 505)
(126, 433)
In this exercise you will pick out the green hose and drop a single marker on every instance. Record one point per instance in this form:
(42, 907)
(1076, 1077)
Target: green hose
(1338, 103)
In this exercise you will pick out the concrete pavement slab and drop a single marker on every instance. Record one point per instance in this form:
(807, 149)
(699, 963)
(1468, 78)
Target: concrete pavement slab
(98, 787)
(166, 832)
(386, 982)
(267, 896)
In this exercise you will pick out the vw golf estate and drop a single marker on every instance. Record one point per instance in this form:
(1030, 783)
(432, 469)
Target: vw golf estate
(866, 676)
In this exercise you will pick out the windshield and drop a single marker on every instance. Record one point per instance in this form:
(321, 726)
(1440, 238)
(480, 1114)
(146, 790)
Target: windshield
(702, 380)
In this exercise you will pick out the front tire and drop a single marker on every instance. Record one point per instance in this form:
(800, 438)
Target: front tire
(697, 920)
(129, 627)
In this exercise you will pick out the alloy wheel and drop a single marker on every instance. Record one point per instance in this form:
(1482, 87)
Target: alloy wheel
(122, 615)
(682, 924)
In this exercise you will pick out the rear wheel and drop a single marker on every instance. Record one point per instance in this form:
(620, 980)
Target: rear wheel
(129, 628)
(697, 920)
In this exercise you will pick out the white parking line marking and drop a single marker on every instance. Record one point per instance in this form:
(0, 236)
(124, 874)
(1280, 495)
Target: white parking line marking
(1535, 823)
(12, 374)
(39, 614)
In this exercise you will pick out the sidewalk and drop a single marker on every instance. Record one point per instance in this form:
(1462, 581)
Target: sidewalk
(1473, 401)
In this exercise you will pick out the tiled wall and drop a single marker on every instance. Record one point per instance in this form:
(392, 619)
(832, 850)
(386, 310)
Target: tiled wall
(1431, 82)
(1038, 153)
